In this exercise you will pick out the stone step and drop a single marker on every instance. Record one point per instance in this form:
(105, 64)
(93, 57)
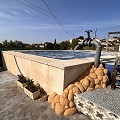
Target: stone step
(100, 104)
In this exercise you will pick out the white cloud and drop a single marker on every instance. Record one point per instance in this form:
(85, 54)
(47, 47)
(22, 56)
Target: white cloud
(26, 11)
(3, 15)
(15, 13)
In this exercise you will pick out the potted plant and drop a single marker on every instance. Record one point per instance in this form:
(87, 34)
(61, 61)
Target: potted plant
(21, 82)
(31, 89)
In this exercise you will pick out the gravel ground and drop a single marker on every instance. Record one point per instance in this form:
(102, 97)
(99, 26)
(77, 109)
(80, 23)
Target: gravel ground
(16, 105)
(107, 98)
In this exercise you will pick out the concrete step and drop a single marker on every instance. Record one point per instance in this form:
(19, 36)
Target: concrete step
(100, 104)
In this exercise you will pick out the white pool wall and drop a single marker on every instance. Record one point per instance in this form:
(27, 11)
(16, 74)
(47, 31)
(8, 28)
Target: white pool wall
(53, 75)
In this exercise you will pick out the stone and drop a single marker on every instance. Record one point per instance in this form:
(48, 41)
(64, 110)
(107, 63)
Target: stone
(59, 109)
(95, 68)
(64, 101)
(89, 78)
(92, 70)
(71, 95)
(90, 89)
(84, 86)
(51, 97)
(66, 107)
(105, 79)
(81, 81)
(65, 92)
(57, 99)
(92, 84)
(76, 90)
(97, 81)
(104, 85)
(70, 111)
(105, 71)
(80, 86)
(70, 86)
(71, 104)
(97, 86)
(86, 82)
(100, 77)
(101, 66)
(99, 72)
(76, 83)
(93, 75)
(53, 105)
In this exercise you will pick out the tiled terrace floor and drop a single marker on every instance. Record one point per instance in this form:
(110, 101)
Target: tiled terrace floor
(16, 105)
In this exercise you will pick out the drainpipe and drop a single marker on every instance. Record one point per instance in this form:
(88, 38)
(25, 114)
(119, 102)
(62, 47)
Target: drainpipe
(89, 42)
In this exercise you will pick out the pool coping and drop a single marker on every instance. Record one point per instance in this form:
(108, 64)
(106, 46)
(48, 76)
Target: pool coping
(61, 64)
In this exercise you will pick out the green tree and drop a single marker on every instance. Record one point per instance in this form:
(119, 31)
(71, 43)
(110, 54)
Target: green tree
(80, 37)
(65, 45)
(6, 44)
(55, 42)
(74, 43)
(49, 46)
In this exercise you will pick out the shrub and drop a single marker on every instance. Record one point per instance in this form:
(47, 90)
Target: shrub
(21, 78)
(31, 86)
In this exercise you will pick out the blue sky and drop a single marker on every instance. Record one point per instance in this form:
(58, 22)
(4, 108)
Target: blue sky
(19, 22)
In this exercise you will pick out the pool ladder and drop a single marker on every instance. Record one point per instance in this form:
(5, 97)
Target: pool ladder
(116, 75)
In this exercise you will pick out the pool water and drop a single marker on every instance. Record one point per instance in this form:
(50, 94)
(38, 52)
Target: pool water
(62, 55)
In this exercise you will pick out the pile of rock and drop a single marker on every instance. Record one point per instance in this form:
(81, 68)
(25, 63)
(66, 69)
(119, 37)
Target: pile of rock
(92, 79)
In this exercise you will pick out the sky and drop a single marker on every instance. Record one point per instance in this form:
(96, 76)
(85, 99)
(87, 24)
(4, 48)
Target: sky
(39, 21)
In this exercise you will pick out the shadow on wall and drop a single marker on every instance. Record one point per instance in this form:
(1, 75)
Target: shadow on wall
(2, 62)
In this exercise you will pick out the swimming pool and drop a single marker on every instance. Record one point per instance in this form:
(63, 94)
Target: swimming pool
(62, 55)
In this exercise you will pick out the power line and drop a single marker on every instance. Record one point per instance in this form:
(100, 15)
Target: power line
(37, 7)
(33, 8)
(56, 18)
(46, 12)
(42, 11)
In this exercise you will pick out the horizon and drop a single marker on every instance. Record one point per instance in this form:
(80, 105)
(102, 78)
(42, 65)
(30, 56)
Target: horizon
(67, 20)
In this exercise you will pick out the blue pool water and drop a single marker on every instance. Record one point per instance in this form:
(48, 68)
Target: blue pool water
(62, 55)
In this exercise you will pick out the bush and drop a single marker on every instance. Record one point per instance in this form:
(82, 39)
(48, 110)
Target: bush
(31, 86)
(21, 79)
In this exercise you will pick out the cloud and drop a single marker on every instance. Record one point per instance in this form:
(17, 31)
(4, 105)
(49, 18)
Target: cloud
(13, 12)
(26, 11)
(4, 15)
